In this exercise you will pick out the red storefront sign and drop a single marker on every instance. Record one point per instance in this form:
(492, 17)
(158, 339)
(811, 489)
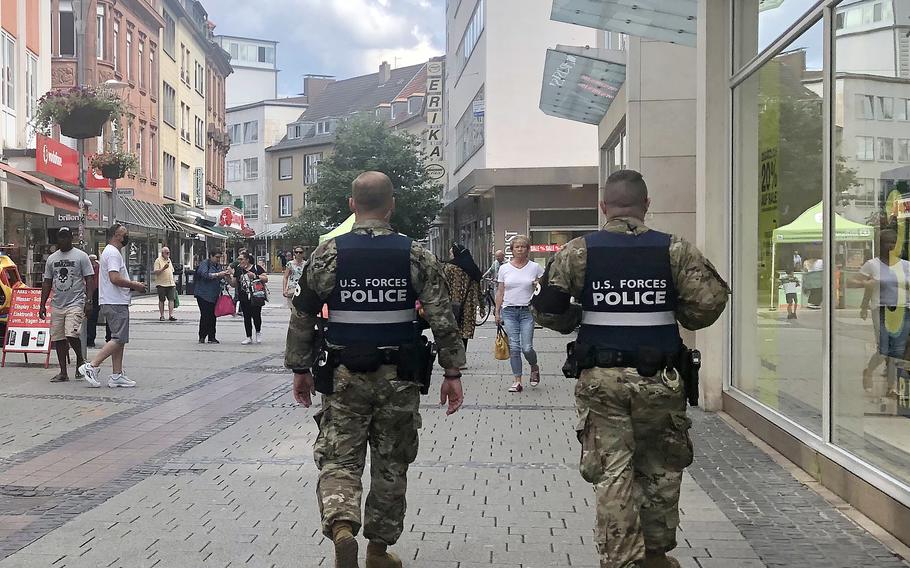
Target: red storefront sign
(25, 331)
(62, 162)
(231, 219)
(545, 248)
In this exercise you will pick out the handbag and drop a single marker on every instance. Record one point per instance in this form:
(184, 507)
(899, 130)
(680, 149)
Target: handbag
(501, 345)
(224, 306)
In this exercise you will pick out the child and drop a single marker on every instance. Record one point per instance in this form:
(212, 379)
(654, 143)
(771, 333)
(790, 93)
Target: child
(791, 288)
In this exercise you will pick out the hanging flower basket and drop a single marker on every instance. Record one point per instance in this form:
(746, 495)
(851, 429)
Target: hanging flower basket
(116, 164)
(80, 112)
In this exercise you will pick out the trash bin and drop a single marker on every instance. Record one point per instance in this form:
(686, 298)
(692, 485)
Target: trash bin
(190, 288)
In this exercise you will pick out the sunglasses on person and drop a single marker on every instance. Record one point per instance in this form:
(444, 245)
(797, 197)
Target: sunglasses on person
(298, 252)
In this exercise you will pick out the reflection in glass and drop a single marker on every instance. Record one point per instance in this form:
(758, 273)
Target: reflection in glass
(871, 390)
(760, 22)
(778, 231)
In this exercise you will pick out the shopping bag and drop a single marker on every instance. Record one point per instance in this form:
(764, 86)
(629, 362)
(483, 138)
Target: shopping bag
(224, 306)
(501, 345)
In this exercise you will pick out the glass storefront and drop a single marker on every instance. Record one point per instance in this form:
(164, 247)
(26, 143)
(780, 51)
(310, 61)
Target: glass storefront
(821, 221)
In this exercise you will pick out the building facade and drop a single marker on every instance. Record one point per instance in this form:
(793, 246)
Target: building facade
(511, 168)
(218, 68)
(255, 76)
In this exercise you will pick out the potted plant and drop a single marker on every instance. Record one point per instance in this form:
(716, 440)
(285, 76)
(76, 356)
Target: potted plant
(114, 164)
(81, 112)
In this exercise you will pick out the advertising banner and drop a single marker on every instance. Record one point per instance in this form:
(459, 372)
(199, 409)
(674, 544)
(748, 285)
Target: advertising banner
(25, 331)
(546, 248)
(62, 162)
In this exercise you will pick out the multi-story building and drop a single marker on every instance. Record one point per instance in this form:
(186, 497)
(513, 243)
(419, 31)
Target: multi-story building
(185, 47)
(251, 129)
(218, 68)
(511, 168)
(293, 163)
(255, 76)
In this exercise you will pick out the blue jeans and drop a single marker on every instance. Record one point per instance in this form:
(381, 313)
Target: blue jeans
(519, 325)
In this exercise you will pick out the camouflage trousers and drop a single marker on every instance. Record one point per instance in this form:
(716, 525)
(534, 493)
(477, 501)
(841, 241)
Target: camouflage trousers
(634, 436)
(375, 409)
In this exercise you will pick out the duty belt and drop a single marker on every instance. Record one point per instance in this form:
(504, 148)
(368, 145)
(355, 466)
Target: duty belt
(646, 360)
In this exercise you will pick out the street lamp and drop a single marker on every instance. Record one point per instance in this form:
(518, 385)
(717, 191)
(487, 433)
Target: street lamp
(268, 253)
(118, 87)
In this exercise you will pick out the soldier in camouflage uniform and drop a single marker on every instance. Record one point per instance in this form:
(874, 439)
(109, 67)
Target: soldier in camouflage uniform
(374, 408)
(634, 285)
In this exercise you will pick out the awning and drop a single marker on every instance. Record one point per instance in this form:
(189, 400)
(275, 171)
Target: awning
(581, 83)
(149, 215)
(198, 229)
(50, 194)
(663, 20)
(270, 234)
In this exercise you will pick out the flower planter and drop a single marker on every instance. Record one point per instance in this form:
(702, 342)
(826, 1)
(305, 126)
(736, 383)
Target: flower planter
(113, 171)
(84, 122)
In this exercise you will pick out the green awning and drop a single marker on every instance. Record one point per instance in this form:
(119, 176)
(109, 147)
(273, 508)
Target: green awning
(807, 228)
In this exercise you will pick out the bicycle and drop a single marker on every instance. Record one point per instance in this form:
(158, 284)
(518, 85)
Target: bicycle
(488, 302)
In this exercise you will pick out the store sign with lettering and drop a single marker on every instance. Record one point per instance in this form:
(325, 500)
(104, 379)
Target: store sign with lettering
(25, 331)
(62, 162)
(433, 143)
(545, 248)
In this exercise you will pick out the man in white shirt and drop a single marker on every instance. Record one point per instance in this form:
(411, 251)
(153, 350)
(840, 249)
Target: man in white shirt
(114, 286)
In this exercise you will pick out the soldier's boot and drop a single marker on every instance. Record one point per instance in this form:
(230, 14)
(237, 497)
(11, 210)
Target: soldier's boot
(379, 557)
(658, 560)
(345, 545)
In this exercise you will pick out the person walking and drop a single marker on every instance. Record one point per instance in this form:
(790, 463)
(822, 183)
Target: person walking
(463, 278)
(165, 284)
(634, 284)
(210, 276)
(499, 258)
(517, 280)
(91, 332)
(292, 273)
(250, 279)
(69, 273)
(114, 293)
(232, 267)
(377, 406)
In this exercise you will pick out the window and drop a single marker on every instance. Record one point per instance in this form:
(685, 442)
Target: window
(251, 168)
(200, 133)
(865, 148)
(115, 48)
(67, 29)
(139, 148)
(865, 107)
(414, 105)
(170, 176)
(885, 149)
(295, 131)
(153, 74)
(311, 168)
(470, 38)
(153, 155)
(186, 183)
(325, 126)
(251, 131)
(141, 64)
(903, 150)
(877, 14)
(616, 156)
(902, 110)
(286, 168)
(170, 105)
(200, 79)
(233, 170)
(129, 55)
(285, 205)
(31, 85)
(236, 134)
(234, 50)
(885, 108)
(100, 32)
(170, 34)
(9, 72)
(469, 131)
(266, 55)
(183, 70)
(839, 21)
(251, 206)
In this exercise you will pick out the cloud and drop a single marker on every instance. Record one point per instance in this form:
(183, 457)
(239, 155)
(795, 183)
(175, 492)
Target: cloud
(343, 38)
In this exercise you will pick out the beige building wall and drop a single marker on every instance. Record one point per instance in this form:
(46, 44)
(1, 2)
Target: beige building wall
(169, 131)
(295, 187)
(190, 154)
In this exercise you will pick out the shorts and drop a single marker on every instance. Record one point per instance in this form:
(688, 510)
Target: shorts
(118, 321)
(792, 299)
(66, 322)
(168, 293)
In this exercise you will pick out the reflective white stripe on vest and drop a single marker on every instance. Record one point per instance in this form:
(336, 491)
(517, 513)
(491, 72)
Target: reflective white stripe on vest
(389, 316)
(630, 319)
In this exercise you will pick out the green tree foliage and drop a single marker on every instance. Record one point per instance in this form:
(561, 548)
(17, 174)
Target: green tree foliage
(363, 144)
(305, 228)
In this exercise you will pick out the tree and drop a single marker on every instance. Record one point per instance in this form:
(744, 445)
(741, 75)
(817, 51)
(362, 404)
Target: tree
(363, 144)
(305, 228)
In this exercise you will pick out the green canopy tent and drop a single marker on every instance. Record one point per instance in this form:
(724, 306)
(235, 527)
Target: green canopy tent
(341, 229)
(808, 228)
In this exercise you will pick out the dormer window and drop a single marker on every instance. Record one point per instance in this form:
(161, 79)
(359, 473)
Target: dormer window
(414, 104)
(295, 131)
(324, 127)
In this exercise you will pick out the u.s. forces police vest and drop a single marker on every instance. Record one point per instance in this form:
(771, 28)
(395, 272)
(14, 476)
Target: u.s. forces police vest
(629, 298)
(373, 299)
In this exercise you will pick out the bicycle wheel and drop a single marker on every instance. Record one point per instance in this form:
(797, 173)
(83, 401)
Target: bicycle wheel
(482, 320)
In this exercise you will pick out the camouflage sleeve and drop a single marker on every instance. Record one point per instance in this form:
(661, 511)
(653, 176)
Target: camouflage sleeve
(320, 278)
(431, 288)
(702, 292)
(565, 272)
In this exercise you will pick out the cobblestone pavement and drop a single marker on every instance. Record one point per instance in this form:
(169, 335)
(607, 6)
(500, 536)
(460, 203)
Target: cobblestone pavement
(208, 463)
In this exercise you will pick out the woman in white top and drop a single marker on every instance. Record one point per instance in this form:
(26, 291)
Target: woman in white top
(292, 273)
(517, 280)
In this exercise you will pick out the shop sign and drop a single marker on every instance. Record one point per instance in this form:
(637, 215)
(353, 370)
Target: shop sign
(509, 235)
(545, 248)
(231, 219)
(62, 162)
(94, 218)
(435, 171)
(435, 160)
(901, 208)
(199, 188)
(25, 331)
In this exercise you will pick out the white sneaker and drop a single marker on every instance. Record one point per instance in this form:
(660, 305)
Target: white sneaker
(258, 337)
(120, 381)
(90, 374)
(246, 341)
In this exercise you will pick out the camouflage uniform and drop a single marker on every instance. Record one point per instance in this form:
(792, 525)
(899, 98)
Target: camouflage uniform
(370, 407)
(633, 430)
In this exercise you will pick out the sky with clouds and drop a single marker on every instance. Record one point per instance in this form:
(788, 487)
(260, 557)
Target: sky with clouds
(343, 38)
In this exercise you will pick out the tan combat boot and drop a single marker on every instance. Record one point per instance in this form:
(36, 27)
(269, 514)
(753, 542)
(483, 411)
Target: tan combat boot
(345, 546)
(658, 560)
(378, 557)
